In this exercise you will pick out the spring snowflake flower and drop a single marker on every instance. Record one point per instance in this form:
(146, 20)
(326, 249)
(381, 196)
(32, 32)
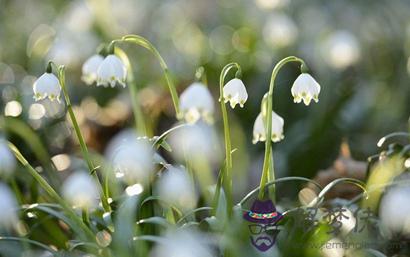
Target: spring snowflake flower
(9, 207)
(196, 102)
(259, 133)
(111, 72)
(131, 157)
(175, 188)
(7, 160)
(184, 242)
(394, 209)
(81, 191)
(196, 142)
(90, 68)
(47, 86)
(235, 92)
(305, 88)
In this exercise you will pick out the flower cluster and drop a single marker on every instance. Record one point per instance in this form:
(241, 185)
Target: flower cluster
(305, 88)
(108, 71)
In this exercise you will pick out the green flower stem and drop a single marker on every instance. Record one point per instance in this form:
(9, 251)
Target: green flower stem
(89, 235)
(268, 126)
(84, 149)
(132, 85)
(227, 177)
(141, 41)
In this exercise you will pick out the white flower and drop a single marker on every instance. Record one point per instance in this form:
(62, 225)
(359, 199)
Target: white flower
(111, 71)
(90, 68)
(394, 211)
(131, 157)
(235, 92)
(259, 133)
(196, 142)
(175, 188)
(7, 160)
(184, 242)
(280, 30)
(80, 190)
(196, 102)
(341, 49)
(8, 202)
(47, 85)
(305, 88)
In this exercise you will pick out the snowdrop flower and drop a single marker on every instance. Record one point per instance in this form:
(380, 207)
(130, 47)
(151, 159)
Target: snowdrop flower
(280, 30)
(183, 243)
(196, 141)
(8, 202)
(394, 209)
(7, 160)
(131, 157)
(47, 86)
(305, 88)
(259, 133)
(196, 102)
(235, 92)
(111, 71)
(341, 49)
(175, 188)
(80, 190)
(90, 68)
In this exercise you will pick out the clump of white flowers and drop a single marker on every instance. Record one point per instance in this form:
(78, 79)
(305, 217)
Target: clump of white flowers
(81, 191)
(9, 207)
(47, 86)
(131, 157)
(259, 133)
(235, 93)
(183, 242)
(7, 160)
(305, 88)
(175, 188)
(90, 68)
(196, 103)
(111, 72)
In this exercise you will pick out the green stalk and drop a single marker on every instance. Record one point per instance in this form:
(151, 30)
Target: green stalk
(227, 176)
(141, 41)
(84, 149)
(132, 85)
(268, 126)
(43, 183)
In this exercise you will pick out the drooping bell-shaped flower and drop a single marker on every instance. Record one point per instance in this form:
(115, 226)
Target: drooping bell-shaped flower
(47, 86)
(259, 133)
(196, 103)
(90, 68)
(81, 191)
(235, 92)
(305, 88)
(111, 72)
(9, 207)
(175, 187)
(132, 158)
(7, 160)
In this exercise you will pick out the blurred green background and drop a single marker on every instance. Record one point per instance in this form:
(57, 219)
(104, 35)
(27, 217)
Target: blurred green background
(357, 50)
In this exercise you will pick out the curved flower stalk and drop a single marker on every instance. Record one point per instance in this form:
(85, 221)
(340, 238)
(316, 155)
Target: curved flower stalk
(268, 171)
(141, 41)
(61, 79)
(235, 92)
